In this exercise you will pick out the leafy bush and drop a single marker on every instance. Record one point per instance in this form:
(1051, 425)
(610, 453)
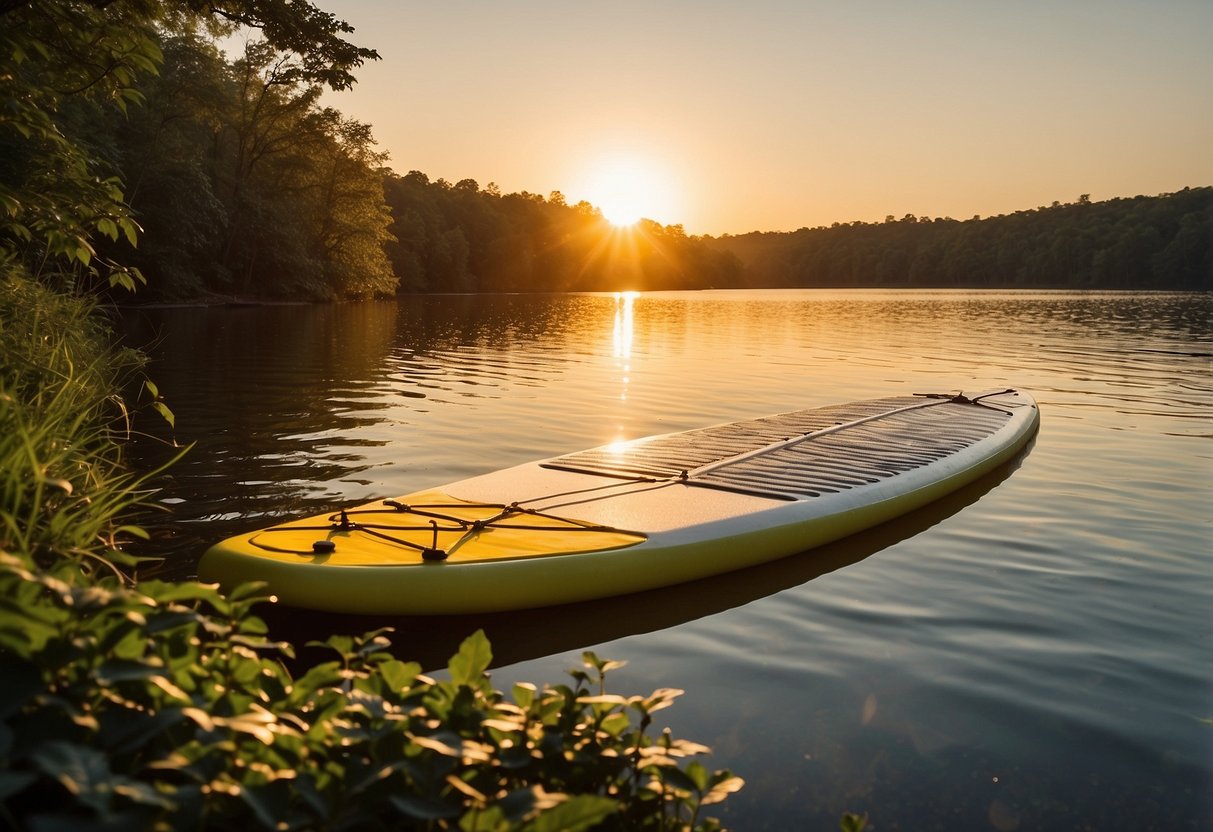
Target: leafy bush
(165, 706)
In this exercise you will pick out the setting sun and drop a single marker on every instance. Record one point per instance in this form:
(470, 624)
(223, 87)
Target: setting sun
(621, 209)
(628, 189)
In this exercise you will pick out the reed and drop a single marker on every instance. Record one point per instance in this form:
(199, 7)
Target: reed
(63, 488)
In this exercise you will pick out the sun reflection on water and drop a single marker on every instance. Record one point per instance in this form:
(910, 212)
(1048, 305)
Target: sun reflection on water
(624, 320)
(623, 336)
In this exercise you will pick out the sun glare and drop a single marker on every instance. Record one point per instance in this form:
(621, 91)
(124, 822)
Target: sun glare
(627, 190)
(621, 210)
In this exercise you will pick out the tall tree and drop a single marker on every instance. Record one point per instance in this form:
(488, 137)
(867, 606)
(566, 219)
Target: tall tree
(63, 62)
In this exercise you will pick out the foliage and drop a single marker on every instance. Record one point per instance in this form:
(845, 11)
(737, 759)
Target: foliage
(165, 706)
(56, 195)
(245, 183)
(311, 40)
(61, 478)
(1163, 242)
(463, 238)
(247, 186)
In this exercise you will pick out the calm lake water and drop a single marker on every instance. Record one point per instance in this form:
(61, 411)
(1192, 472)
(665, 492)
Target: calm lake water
(1035, 652)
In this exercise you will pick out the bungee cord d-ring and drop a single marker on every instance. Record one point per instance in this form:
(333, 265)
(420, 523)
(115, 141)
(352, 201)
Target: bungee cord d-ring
(433, 553)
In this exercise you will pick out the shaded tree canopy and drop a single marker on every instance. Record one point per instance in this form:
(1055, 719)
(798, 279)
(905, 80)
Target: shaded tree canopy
(124, 113)
(1158, 242)
(314, 36)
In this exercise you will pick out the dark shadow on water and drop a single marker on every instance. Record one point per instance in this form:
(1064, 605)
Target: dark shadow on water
(530, 634)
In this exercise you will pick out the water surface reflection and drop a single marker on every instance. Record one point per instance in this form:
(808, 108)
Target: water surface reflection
(529, 634)
(1031, 654)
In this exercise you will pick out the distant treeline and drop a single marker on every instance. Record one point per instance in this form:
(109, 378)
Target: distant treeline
(461, 238)
(1159, 242)
(237, 183)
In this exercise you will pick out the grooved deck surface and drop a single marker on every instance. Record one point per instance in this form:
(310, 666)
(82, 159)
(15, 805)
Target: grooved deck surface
(868, 452)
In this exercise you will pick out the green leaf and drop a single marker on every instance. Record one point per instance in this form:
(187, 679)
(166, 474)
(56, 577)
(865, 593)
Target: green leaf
(187, 591)
(344, 645)
(159, 622)
(524, 694)
(678, 778)
(853, 823)
(723, 784)
(129, 228)
(450, 748)
(469, 664)
(490, 819)
(398, 675)
(317, 677)
(591, 659)
(121, 670)
(699, 775)
(165, 413)
(573, 815)
(424, 808)
(615, 724)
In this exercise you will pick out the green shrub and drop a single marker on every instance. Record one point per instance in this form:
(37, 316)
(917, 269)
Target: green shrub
(165, 706)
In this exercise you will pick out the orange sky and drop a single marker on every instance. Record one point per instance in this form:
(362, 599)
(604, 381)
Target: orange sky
(768, 115)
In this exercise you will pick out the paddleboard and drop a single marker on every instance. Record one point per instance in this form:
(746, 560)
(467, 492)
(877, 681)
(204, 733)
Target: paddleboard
(634, 515)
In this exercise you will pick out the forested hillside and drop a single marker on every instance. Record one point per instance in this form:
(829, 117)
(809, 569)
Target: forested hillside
(238, 183)
(125, 124)
(461, 238)
(246, 186)
(1162, 242)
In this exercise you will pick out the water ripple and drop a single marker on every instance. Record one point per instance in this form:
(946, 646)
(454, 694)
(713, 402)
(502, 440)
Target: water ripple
(1033, 654)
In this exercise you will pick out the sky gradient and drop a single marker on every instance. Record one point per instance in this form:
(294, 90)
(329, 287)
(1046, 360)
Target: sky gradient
(772, 116)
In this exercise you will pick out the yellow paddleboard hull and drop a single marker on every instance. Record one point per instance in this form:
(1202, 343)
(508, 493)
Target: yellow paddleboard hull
(601, 523)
